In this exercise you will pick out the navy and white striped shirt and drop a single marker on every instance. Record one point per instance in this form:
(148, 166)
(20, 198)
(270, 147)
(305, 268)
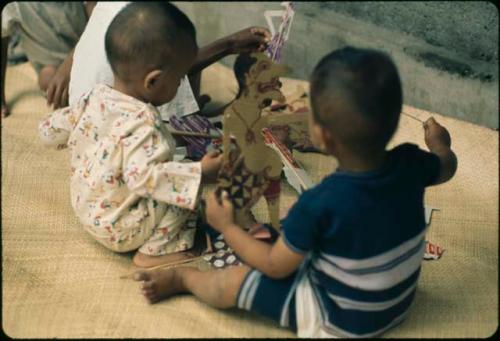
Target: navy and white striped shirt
(366, 233)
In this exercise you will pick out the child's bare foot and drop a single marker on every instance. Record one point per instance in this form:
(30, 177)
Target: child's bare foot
(159, 284)
(145, 261)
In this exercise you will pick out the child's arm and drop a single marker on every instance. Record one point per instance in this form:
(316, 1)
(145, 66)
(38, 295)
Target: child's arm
(55, 129)
(276, 261)
(438, 141)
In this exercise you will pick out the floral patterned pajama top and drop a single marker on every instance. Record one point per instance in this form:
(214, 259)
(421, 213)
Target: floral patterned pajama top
(124, 188)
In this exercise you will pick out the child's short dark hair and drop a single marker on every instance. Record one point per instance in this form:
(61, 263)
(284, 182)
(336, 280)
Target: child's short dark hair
(145, 34)
(356, 94)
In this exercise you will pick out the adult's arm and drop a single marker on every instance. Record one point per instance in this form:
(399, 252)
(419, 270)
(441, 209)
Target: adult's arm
(89, 7)
(247, 40)
(57, 90)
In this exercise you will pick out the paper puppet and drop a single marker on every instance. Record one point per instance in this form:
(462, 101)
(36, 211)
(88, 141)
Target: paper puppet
(290, 123)
(252, 168)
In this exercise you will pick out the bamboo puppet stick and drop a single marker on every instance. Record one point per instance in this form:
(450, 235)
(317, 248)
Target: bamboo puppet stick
(208, 252)
(193, 134)
(130, 275)
(414, 117)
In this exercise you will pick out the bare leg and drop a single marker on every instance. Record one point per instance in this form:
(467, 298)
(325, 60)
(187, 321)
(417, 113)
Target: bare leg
(217, 288)
(45, 76)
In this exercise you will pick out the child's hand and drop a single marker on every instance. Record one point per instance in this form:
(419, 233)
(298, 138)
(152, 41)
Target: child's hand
(252, 39)
(436, 136)
(210, 165)
(220, 213)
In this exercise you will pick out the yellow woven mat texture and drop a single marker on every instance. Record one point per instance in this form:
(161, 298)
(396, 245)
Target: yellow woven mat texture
(58, 282)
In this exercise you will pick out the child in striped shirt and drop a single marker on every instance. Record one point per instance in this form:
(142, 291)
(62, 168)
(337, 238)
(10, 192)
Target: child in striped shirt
(348, 260)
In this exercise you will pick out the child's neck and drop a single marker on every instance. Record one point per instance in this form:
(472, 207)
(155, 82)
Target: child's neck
(128, 89)
(358, 164)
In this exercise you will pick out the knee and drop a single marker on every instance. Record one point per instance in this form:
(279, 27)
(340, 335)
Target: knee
(228, 286)
(221, 293)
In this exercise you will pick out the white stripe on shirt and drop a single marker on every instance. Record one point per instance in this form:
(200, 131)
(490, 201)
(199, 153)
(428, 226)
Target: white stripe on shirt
(381, 259)
(373, 281)
(328, 329)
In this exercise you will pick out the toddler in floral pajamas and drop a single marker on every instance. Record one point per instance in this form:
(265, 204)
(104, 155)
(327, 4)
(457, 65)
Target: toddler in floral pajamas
(125, 189)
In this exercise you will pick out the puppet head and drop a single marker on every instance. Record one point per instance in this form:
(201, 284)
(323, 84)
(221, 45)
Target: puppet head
(262, 80)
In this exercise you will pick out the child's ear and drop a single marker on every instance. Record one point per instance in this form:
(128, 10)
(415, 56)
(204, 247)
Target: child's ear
(330, 144)
(324, 140)
(151, 79)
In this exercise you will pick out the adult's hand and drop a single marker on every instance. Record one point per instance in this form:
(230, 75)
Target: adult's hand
(57, 90)
(252, 39)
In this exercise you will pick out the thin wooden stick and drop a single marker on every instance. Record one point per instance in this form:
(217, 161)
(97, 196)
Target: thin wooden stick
(208, 252)
(415, 118)
(193, 134)
(131, 274)
(209, 243)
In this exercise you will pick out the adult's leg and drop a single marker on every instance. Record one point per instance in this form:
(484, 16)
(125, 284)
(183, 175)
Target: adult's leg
(218, 288)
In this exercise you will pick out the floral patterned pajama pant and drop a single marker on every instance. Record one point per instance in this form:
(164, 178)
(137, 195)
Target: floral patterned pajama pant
(154, 229)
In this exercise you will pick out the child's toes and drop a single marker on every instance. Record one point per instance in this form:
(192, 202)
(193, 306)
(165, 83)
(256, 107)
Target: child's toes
(151, 297)
(147, 293)
(148, 285)
(142, 276)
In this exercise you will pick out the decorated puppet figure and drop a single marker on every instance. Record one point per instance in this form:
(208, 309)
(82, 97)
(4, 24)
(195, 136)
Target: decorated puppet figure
(252, 169)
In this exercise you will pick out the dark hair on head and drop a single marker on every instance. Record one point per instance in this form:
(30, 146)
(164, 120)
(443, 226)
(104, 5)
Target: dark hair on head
(242, 66)
(145, 34)
(361, 89)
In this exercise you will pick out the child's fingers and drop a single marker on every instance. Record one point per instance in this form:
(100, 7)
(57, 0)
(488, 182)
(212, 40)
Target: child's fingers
(212, 201)
(226, 203)
(213, 153)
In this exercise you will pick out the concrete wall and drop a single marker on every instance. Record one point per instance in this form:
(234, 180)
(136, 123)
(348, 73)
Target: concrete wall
(447, 52)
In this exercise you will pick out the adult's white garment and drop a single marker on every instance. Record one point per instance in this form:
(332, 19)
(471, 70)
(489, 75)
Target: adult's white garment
(91, 66)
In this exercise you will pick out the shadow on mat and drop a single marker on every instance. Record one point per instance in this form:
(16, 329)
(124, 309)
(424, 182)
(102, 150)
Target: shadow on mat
(28, 93)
